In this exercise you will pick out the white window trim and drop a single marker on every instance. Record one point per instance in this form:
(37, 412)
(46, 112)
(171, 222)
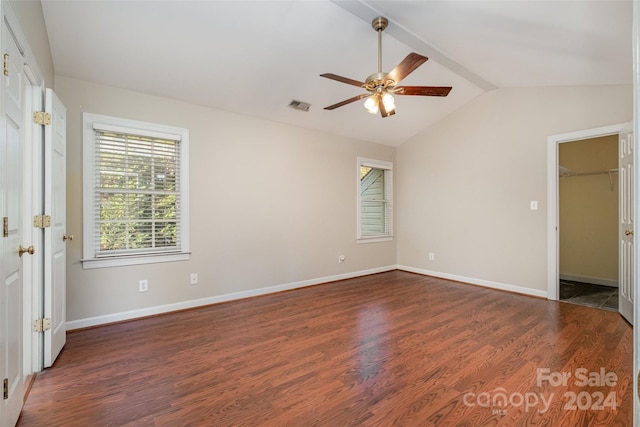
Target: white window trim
(378, 164)
(89, 259)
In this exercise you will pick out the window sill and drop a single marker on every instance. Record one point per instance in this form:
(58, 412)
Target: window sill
(134, 260)
(375, 239)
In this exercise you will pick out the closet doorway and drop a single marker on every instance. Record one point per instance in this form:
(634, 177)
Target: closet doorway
(588, 193)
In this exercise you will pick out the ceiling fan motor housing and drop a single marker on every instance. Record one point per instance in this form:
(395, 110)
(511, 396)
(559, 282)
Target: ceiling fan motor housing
(378, 81)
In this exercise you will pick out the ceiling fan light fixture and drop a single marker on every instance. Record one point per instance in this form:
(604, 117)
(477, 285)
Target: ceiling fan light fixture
(371, 104)
(389, 102)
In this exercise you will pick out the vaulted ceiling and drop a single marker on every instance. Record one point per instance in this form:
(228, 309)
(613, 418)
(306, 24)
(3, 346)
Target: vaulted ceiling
(254, 57)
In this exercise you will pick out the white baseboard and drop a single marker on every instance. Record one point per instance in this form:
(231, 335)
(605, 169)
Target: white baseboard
(150, 311)
(592, 280)
(167, 308)
(479, 282)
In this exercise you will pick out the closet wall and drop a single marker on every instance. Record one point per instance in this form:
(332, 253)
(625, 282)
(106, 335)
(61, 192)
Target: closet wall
(589, 210)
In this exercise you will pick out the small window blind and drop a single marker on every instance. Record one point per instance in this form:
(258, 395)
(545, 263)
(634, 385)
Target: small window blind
(376, 202)
(137, 193)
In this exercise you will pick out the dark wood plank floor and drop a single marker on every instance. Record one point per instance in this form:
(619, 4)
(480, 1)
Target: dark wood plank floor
(389, 349)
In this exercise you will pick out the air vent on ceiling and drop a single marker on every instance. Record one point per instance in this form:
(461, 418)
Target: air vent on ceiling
(299, 105)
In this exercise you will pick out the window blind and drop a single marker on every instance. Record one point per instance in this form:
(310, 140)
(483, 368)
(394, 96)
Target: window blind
(137, 197)
(376, 201)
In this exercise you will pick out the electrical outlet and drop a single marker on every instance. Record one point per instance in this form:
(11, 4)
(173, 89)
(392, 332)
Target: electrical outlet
(341, 258)
(432, 256)
(194, 278)
(143, 286)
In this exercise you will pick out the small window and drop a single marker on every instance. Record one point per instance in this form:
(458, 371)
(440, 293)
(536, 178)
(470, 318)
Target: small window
(375, 200)
(135, 192)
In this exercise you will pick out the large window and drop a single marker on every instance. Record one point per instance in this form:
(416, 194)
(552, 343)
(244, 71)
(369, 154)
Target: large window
(135, 192)
(375, 200)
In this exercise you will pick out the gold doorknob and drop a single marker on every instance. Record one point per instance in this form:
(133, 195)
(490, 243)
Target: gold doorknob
(628, 232)
(28, 250)
(66, 237)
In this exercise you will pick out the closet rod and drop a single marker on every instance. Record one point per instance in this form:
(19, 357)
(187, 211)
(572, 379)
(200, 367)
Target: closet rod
(565, 173)
(605, 172)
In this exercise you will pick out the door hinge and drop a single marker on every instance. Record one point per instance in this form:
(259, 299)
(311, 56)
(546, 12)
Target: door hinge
(41, 221)
(5, 64)
(5, 388)
(5, 226)
(41, 325)
(42, 118)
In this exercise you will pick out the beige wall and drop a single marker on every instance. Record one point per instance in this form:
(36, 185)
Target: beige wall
(589, 211)
(464, 184)
(31, 20)
(271, 204)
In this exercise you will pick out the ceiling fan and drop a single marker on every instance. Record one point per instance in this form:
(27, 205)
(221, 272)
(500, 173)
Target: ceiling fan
(382, 86)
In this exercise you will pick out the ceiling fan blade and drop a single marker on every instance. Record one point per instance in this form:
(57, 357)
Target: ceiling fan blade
(406, 67)
(422, 90)
(342, 79)
(348, 101)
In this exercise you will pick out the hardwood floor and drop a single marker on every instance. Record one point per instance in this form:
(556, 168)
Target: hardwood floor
(389, 349)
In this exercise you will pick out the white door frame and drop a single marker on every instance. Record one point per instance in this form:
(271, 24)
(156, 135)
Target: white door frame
(33, 205)
(553, 216)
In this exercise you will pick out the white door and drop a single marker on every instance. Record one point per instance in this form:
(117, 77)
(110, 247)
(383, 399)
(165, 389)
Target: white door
(11, 190)
(55, 237)
(626, 231)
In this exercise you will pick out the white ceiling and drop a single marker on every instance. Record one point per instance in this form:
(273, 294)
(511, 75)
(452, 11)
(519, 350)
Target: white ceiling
(253, 57)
